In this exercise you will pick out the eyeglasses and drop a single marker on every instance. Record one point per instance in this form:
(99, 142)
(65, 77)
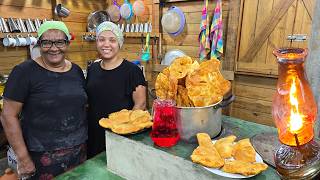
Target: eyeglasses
(58, 43)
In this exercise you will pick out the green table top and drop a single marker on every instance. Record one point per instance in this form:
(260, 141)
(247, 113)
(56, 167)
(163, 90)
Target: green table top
(96, 167)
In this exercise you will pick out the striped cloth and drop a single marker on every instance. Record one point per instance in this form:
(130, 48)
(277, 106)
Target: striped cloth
(216, 32)
(204, 40)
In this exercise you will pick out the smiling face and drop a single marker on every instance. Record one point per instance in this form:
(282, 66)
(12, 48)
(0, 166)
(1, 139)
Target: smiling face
(55, 53)
(107, 45)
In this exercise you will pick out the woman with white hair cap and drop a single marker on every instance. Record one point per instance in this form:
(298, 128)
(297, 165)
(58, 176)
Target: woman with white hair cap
(113, 84)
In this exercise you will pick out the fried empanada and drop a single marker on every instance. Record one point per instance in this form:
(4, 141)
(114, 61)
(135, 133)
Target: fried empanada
(181, 66)
(225, 145)
(125, 128)
(120, 116)
(207, 156)
(204, 84)
(244, 151)
(182, 97)
(134, 115)
(105, 122)
(244, 168)
(166, 87)
(127, 121)
(204, 140)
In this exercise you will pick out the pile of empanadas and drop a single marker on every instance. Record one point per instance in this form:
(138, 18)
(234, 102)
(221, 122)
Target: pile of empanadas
(192, 84)
(127, 121)
(232, 157)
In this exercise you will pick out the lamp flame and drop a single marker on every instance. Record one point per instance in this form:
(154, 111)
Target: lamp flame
(296, 119)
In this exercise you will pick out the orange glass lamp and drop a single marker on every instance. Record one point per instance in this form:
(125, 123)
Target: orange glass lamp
(294, 111)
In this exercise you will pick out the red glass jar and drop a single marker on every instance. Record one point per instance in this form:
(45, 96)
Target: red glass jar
(164, 130)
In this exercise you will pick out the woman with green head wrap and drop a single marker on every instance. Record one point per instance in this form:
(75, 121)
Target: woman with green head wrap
(113, 84)
(44, 113)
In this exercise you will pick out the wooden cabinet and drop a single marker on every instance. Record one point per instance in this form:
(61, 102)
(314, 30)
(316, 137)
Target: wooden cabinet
(265, 25)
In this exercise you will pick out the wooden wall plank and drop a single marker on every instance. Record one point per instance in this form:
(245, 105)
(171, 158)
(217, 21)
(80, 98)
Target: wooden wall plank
(45, 4)
(302, 25)
(248, 28)
(7, 11)
(253, 116)
(232, 35)
(263, 11)
(278, 38)
(270, 23)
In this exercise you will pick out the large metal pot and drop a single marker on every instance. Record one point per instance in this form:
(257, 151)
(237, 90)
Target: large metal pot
(193, 120)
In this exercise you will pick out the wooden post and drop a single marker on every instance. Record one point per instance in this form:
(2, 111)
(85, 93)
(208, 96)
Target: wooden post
(313, 61)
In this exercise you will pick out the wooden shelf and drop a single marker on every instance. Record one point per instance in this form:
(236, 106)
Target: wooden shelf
(3, 35)
(168, 1)
(125, 34)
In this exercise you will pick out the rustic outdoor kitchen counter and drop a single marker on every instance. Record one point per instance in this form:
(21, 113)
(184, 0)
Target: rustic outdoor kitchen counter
(96, 168)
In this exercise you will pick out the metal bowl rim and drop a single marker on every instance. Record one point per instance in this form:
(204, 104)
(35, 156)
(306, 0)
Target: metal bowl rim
(203, 107)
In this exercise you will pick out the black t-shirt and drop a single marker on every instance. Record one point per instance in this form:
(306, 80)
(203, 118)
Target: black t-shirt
(53, 114)
(109, 91)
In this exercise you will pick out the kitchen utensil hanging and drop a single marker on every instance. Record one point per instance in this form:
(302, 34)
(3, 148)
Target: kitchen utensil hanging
(145, 56)
(173, 21)
(126, 10)
(61, 11)
(172, 55)
(96, 18)
(114, 12)
(13, 26)
(138, 8)
(4, 25)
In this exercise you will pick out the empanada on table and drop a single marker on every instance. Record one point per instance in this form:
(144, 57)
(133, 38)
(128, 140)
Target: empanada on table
(125, 128)
(120, 116)
(105, 122)
(225, 146)
(206, 154)
(127, 121)
(244, 168)
(244, 151)
(204, 139)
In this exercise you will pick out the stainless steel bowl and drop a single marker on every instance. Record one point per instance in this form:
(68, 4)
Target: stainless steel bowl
(207, 119)
(96, 18)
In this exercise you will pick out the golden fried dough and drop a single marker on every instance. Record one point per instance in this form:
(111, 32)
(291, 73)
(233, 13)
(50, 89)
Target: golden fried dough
(244, 168)
(135, 121)
(191, 84)
(244, 151)
(206, 154)
(204, 139)
(181, 66)
(203, 84)
(136, 114)
(120, 116)
(225, 146)
(183, 98)
(219, 154)
(166, 87)
(125, 128)
(105, 122)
